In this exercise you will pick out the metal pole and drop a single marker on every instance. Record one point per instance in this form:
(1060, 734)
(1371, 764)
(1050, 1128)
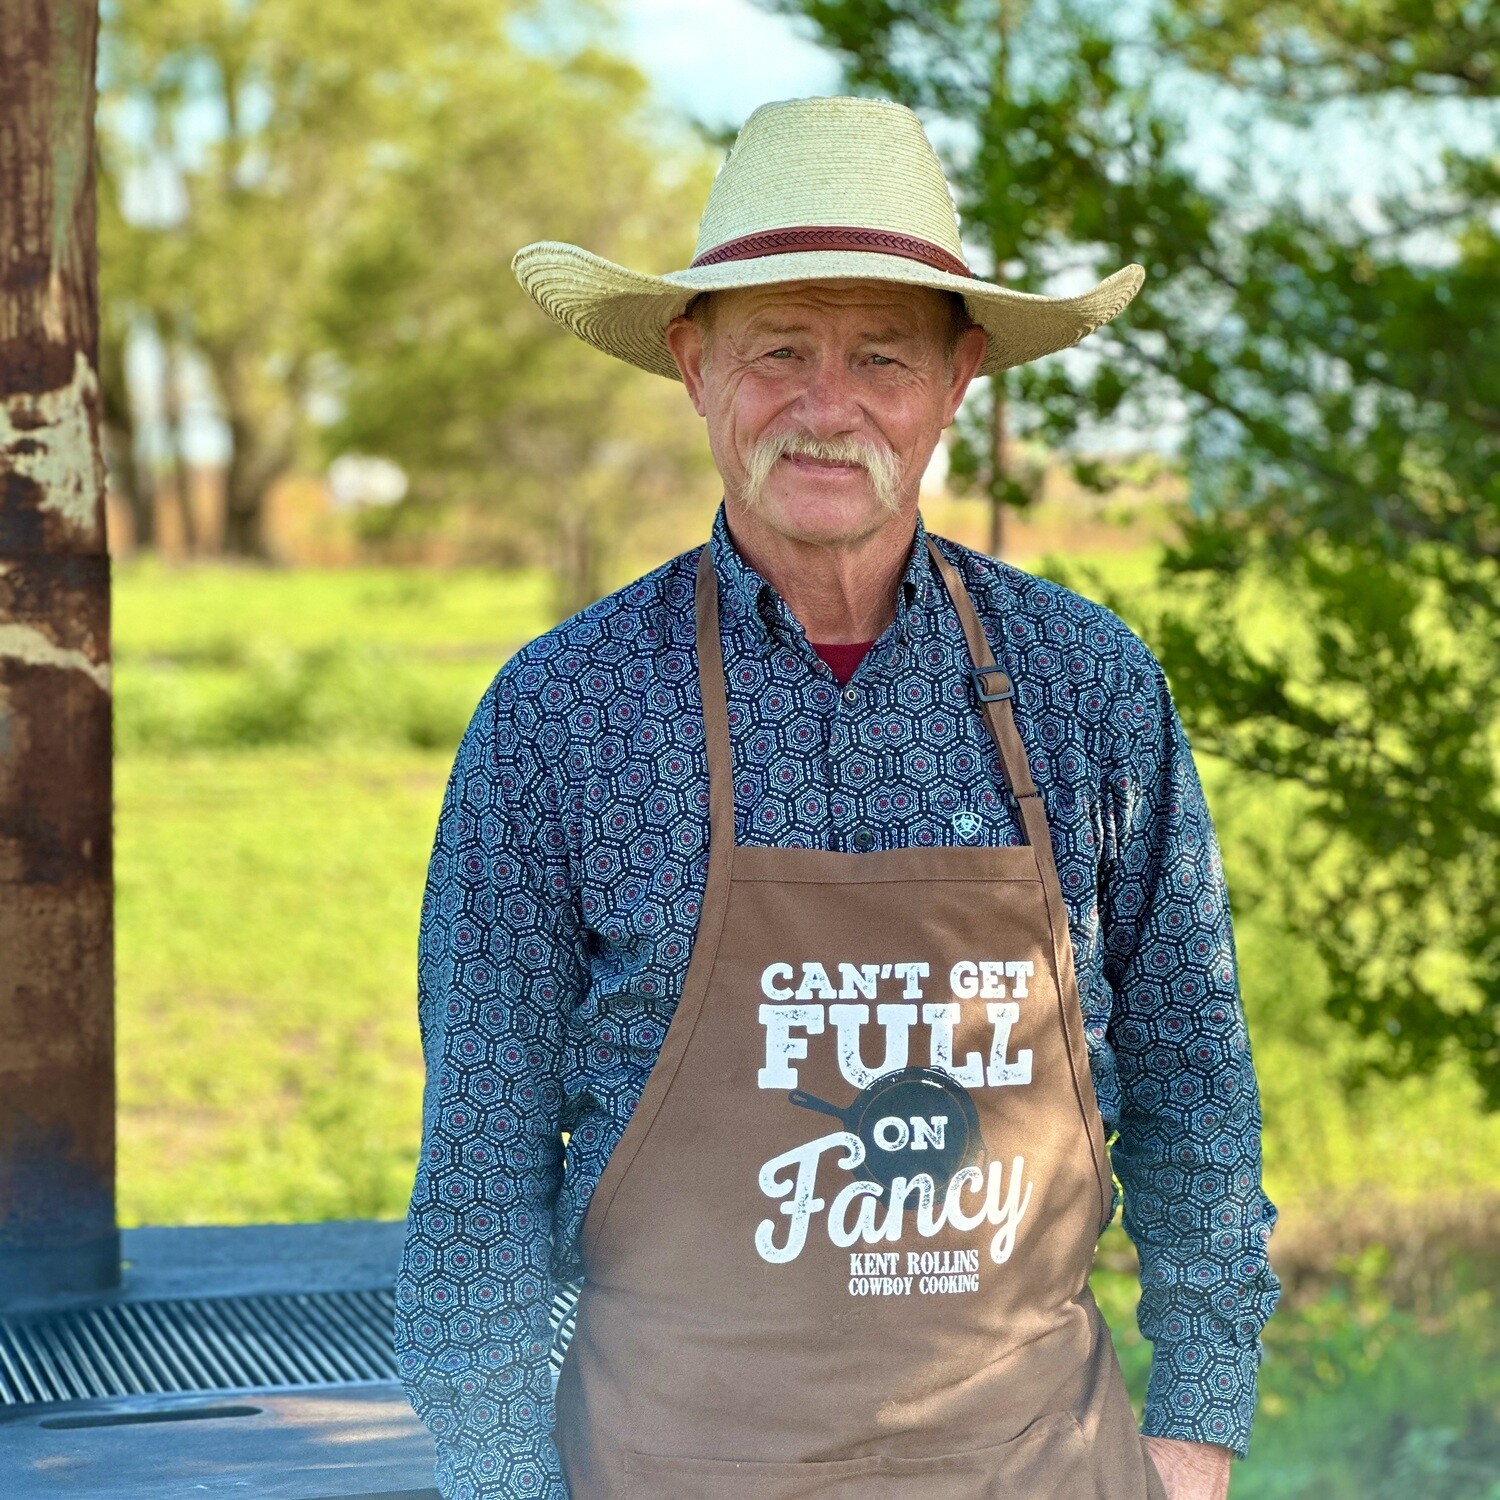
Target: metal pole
(57, 1092)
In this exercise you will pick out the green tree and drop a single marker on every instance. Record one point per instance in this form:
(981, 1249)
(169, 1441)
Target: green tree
(1349, 471)
(340, 187)
(249, 125)
(1339, 385)
(1313, 50)
(526, 443)
(1060, 167)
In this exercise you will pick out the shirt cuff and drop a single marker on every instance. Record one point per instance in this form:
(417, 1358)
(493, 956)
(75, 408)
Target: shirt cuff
(1202, 1393)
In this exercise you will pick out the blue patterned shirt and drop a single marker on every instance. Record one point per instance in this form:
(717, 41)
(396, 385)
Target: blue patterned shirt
(563, 898)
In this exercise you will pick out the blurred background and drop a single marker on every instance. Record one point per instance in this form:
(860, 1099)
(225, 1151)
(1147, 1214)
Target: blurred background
(352, 468)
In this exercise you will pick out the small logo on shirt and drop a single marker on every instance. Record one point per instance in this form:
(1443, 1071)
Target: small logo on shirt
(967, 826)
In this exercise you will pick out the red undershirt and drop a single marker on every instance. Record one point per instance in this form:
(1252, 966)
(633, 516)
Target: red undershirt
(842, 659)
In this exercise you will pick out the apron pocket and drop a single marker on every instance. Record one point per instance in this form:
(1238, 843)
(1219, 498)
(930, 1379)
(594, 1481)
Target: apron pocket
(1047, 1461)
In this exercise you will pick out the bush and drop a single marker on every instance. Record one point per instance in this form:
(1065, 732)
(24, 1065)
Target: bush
(340, 693)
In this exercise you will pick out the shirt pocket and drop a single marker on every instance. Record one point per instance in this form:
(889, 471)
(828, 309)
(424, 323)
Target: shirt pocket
(1049, 1460)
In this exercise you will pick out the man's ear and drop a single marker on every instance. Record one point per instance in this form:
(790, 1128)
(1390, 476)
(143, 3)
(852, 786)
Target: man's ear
(685, 341)
(968, 355)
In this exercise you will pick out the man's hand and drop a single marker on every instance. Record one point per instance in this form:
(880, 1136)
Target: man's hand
(1190, 1471)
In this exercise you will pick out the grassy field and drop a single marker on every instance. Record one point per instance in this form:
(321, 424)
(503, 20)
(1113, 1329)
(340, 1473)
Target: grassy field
(283, 742)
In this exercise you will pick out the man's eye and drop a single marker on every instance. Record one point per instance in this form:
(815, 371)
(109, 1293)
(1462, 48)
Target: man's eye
(881, 359)
(779, 353)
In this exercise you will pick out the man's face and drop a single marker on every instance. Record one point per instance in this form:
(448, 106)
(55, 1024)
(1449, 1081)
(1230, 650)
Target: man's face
(824, 400)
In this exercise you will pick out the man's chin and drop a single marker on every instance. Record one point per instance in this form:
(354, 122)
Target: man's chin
(822, 512)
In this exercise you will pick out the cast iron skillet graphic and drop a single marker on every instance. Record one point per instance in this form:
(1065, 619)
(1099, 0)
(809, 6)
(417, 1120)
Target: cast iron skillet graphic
(895, 1117)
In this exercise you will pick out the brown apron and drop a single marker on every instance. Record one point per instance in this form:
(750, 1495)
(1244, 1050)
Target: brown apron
(842, 1248)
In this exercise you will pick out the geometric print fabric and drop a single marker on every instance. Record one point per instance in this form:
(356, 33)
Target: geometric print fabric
(562, 902)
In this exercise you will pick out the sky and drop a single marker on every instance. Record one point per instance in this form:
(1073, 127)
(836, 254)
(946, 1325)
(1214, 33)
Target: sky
(716, 60)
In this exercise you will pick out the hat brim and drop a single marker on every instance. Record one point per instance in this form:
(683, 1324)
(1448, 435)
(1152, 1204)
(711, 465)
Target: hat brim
(624, 312)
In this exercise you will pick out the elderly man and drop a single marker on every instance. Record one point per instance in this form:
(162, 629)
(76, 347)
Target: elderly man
(804, 922)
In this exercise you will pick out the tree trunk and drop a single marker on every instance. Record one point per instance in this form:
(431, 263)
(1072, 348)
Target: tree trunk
(133, 486)
(263, 447)
(998, 463)
(244, 508)
(171, 392)
(577, 573)
(57, 1091)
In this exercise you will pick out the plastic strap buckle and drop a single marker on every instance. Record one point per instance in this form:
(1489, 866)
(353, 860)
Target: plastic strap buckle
(1005, 690)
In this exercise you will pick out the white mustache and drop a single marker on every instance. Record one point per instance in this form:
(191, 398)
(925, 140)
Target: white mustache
(878, 462)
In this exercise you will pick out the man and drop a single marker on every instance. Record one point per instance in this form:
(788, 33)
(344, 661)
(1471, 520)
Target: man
(833, 893)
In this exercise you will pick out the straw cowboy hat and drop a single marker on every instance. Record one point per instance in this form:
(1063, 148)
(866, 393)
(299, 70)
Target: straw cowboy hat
(814, 189)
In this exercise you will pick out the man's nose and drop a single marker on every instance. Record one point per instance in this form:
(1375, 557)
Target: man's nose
(829, 401)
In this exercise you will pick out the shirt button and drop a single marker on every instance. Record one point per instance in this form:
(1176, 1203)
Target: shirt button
(851, 695)
(864, 840)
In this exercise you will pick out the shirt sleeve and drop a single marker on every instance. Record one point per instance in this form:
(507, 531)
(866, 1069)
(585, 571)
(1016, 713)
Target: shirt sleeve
(1188, 1150)
(499, 970)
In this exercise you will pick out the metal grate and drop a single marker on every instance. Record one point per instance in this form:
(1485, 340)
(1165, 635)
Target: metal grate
(199, 1344)
(215, 1344)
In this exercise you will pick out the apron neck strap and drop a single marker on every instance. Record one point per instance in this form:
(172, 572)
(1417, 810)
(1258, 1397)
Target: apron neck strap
(994, 687)
(996, 691)
(715, 706)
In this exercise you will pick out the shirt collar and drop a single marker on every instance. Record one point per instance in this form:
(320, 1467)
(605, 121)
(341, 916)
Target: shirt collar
(749, 599)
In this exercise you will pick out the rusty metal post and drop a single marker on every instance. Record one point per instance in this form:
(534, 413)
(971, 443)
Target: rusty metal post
(57, 1091)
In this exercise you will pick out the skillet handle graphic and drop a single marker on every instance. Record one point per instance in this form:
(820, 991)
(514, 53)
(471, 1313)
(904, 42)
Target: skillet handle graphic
(811, 1101)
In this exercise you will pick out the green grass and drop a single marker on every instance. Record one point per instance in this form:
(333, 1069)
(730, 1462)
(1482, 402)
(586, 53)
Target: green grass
(283, 740)
(214, 611)
(269, 1067)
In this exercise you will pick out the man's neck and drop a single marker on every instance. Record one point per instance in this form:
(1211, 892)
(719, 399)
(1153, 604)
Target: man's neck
(840, 595)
